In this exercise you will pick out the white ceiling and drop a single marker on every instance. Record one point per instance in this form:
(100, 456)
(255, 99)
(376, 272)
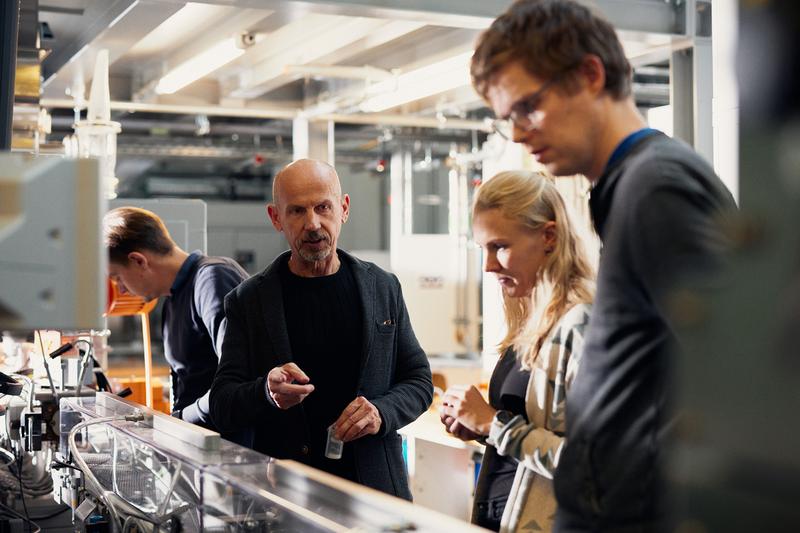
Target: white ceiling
(321, 56)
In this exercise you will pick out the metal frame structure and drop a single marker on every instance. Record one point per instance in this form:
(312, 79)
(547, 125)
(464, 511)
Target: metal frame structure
(691, 81)
(9, 25)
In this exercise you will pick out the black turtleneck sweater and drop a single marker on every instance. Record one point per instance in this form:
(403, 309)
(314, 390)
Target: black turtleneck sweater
(324, 321)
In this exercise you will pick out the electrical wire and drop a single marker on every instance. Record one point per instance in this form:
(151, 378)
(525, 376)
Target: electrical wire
(21, 492)
(102, 381)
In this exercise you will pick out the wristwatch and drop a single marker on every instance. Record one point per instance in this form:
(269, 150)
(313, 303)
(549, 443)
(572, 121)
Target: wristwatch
(503, 417)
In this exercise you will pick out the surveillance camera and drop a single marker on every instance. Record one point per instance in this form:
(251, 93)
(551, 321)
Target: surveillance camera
(245, 39)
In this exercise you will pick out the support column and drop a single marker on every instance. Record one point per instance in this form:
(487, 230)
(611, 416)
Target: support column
(9, 27)
(313, 140)
(681, 95)
(692, 84)
(703, 75)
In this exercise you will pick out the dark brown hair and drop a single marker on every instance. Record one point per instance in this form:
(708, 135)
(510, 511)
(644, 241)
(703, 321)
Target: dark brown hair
(131, 229)
(550, 38)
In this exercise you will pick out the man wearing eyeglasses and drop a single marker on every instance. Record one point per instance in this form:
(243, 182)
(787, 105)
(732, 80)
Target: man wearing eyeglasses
(556, 76)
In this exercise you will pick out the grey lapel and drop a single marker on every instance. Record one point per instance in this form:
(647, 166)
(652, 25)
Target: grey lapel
(274, 316)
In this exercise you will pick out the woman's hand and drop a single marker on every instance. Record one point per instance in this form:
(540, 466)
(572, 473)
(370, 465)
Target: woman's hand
(456, 429)
(466, 406)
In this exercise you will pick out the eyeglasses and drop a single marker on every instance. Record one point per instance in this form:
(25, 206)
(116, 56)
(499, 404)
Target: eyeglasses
(524, 113)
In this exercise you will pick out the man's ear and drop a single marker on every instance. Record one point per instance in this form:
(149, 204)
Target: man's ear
(138, 259)
(272, 213)
(345, 208)
(593, 73)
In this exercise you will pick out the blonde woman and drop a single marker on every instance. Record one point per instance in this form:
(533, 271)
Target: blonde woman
(529, 243)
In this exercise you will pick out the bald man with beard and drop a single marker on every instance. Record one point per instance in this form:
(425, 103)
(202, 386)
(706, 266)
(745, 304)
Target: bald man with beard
(321, 339)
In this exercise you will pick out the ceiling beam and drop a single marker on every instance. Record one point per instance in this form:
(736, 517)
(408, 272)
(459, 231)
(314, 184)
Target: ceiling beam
(645, 16)
(279, 113)
(649, 16)
(44, 8)
(117, 29)
(313, 39)
(211, 110)
(234, 21)
(458, 13)
(99, 15)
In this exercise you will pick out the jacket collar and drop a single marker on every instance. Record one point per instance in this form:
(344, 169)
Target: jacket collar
(602, 193)
(185, 272)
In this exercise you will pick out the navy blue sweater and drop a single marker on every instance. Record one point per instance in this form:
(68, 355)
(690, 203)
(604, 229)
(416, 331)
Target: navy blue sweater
(193, 327)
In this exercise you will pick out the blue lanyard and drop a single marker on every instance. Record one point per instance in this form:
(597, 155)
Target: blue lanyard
(627, 143)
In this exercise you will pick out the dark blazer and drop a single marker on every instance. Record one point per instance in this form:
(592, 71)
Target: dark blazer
(395, 375)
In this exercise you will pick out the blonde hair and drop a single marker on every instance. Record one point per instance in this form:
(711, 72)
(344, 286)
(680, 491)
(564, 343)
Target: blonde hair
(566, 278)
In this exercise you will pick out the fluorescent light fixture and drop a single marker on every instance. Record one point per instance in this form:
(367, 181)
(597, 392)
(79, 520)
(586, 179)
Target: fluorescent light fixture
(200, 65)
(435, 78)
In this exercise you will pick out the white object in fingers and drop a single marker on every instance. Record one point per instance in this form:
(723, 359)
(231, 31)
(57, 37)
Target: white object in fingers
(333, 448)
